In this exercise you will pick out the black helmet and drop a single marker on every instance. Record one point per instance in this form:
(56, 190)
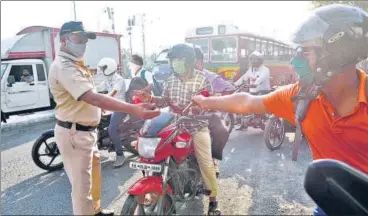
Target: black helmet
(340, 34)
(256, 58)
(180, 51)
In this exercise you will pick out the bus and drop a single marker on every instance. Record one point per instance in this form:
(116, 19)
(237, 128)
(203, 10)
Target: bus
(226, 51)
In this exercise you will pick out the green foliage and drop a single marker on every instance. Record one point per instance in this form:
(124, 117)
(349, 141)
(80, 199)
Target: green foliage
(361, 4)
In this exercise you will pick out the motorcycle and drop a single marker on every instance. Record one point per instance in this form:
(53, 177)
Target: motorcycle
(170, 169)
(104, 142)
(274, 127)
(337, 188)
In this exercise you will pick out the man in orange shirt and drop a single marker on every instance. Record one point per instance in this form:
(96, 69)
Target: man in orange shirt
(334, 39)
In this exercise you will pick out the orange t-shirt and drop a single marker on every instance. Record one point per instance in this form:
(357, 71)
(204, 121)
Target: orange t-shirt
(329, 136)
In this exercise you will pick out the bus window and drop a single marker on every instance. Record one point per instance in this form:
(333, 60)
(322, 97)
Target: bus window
(270, 49)
(251, 44)
(224, 49)
(203, 43)
(281, 52)
(258, 45)
(275, 51)
(264, 47)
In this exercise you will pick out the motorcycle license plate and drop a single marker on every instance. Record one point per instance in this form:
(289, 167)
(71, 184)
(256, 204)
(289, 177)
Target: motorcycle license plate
(144, 166)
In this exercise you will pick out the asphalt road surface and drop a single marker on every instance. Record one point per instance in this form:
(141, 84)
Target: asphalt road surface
(253, 180)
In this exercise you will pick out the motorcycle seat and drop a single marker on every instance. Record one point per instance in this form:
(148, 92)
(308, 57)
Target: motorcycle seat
(337, 188)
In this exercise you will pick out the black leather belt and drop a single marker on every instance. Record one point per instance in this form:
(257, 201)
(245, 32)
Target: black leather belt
(78, 127)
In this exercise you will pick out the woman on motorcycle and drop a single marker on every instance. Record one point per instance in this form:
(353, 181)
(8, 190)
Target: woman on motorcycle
(115, 85)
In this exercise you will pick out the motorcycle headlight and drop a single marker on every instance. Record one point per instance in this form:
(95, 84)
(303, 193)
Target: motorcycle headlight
(147, 147)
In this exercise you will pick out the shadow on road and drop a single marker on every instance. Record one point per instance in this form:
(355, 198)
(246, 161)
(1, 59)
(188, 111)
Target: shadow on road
(21, 135)
(49, 193)
(274, 182)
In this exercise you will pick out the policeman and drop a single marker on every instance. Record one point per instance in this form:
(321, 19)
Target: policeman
(78, 112)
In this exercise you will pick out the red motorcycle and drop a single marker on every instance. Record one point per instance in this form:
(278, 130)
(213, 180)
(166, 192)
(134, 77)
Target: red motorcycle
(170, 169)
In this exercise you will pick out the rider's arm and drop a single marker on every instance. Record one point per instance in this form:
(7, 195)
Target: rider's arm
(263, 75)
(277, 102)
(161, 101)
(242, 79)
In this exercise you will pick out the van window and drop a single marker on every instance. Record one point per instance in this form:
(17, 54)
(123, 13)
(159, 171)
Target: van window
(3, 68)
(22, 73)
(40, 72)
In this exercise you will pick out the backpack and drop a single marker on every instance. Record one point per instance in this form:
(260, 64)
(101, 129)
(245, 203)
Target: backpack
(301, 104)
(156, 87)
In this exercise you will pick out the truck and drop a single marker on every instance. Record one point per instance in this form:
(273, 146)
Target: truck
(34, 48)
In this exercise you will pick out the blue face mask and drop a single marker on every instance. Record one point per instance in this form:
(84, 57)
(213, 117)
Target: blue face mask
(303, 70)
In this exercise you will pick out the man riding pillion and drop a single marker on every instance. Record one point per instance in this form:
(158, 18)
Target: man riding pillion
(258, 74)
(179, 88)
(331, 98)
(115, 85)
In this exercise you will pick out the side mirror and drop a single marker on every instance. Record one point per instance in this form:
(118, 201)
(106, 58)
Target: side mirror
(136, 100)
(11, 80)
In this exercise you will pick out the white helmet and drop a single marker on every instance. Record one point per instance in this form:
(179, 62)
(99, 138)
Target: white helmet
(108, 66)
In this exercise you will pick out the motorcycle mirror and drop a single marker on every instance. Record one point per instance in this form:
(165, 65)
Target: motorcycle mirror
(136, 100)
(205, 93)
(337, 188)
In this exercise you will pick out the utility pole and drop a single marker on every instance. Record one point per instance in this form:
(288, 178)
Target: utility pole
(110, 14)
(131, 23)
(75, 11)
(143, 37)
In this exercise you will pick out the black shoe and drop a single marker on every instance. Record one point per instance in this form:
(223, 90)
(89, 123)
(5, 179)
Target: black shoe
(217, 175)
(213, 210)
(105, 212)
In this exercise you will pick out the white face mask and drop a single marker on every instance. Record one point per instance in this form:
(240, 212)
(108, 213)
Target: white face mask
(133, 68)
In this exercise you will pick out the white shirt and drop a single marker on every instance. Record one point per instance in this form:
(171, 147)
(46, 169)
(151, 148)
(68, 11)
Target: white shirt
(259, 77)
(114, 82)
(148, 75)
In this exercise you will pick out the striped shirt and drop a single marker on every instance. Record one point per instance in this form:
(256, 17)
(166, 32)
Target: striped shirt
(181, 93)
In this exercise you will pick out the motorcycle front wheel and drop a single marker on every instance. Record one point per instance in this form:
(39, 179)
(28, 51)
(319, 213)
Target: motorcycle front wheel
(147, 207)
(274, 133)
(50, 150)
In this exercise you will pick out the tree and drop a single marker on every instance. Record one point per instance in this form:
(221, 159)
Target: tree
(361, 4)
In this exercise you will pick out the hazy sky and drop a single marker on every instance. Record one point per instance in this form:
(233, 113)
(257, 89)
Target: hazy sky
(170, 20)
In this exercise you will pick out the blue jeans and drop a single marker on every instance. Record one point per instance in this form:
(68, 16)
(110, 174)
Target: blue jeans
(114, 133)
(318, 212)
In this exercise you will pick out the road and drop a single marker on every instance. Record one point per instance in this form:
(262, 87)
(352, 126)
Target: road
(253, 179)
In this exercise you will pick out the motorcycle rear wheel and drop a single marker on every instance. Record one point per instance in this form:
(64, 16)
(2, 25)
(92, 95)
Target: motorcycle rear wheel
(51, 151)
(131, 207)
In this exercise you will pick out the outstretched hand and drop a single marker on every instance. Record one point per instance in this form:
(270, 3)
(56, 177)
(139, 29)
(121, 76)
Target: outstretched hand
(143, 95)
(199, 101)
(145, 111)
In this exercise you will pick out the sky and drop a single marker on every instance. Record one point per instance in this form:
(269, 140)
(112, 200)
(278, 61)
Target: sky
(166, 22)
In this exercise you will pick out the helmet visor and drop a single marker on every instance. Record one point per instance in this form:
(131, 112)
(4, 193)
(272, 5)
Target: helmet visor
(311, 30)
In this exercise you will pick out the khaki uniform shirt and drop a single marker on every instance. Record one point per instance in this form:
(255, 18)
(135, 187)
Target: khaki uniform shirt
(69, 79)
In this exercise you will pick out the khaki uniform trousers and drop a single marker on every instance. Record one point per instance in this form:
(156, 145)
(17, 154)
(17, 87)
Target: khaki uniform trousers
(203, 153)
(81, 160)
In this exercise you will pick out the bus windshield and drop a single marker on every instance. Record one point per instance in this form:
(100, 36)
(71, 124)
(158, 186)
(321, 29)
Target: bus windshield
(224, 49)
(3, 68)
(203, 43)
